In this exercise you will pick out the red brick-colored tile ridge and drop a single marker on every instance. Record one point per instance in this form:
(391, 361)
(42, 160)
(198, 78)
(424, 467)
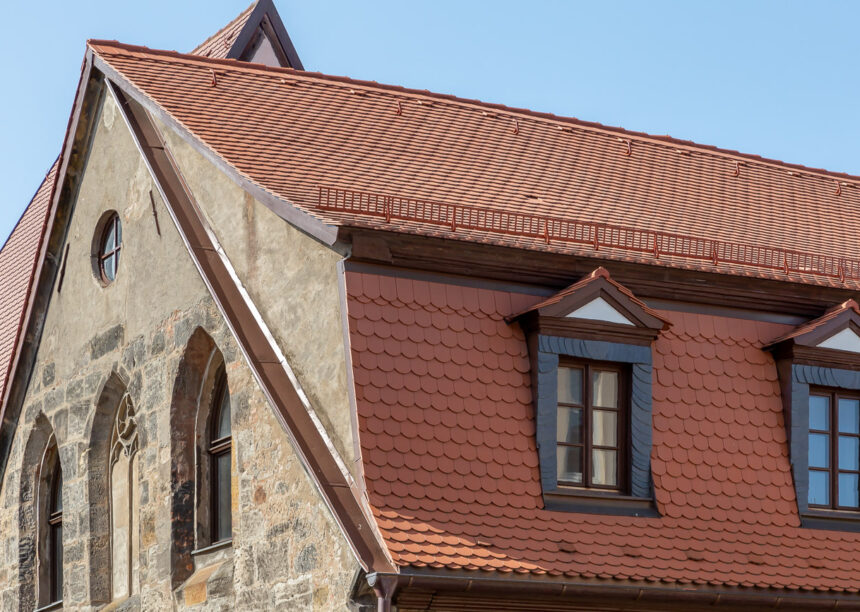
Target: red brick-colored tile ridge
(447, 436)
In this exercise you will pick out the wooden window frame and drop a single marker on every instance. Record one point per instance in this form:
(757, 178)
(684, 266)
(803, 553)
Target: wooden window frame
(218, 446)
(113, 222)
(622, 420)
(833, 396)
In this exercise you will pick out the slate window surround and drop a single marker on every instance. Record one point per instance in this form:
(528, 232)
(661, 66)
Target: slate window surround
(802, 382)
(819, 358)
(634, 496)
(597, 325)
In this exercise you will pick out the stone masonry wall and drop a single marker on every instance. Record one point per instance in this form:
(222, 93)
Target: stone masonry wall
(287, 551)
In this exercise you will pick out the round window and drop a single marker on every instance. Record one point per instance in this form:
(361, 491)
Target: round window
(109, 246)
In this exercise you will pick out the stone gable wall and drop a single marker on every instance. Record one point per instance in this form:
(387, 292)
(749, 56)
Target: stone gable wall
(287, 550)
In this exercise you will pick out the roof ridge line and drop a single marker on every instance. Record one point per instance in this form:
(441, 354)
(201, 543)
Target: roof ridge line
(619, 132)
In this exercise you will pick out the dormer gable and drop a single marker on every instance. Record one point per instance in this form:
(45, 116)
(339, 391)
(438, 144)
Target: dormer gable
(833, 338)
(595, 307)
(256, 35)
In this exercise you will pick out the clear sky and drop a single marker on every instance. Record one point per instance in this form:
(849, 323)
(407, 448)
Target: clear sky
(775, 78)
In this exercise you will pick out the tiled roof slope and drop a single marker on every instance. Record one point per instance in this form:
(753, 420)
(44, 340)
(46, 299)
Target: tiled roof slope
(18, 259)
(218, 45)
(448, 443)
(292, 132)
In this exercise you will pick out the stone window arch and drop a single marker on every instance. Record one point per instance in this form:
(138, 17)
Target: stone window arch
(114, 495)
(200, 391)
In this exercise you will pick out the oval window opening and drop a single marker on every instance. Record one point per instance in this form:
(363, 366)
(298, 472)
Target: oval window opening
(109, 247)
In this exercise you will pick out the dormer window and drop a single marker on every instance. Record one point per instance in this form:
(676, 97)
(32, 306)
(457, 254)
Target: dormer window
(590, 347)
(819, 369)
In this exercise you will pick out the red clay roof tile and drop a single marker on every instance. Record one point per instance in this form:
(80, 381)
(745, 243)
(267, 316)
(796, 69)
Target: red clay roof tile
(292, 132)
(18, 259)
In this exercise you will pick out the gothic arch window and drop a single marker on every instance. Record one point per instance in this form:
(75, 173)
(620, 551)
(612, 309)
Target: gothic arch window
(201, 456)
(125, 502)
(220, 447)
(50, 527)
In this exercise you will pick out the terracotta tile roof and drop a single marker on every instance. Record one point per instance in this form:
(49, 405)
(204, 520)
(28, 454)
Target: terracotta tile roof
(18, 259)
(600, 272)
(293, 132)
(218, 45)
(448, 444)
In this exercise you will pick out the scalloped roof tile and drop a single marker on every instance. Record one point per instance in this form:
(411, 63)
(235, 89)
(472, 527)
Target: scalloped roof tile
(447, 436)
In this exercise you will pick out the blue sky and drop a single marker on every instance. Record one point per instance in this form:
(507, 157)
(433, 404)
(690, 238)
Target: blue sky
(774, 78)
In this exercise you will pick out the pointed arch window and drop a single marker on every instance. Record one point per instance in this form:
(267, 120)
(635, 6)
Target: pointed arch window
(51, 529)
(220, 450)
(55, 534)
(124, 501)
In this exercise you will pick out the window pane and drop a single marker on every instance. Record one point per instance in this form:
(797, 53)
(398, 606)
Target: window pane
(223, 511)
(849, 416)
(56, 562)
(118, 232)
(569, 424)
(570, 385)
(605, 389)
(819, 412)
(224, 413)
(57, 491)
(109, 244)
(110, 267)
(605, 428)
(848, 493)
(819, 450)
(849, 454)
(570, 464)
(604, 467)
(819, 488)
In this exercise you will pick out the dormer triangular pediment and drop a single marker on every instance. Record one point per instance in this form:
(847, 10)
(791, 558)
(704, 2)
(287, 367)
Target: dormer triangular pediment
(595, 307)
(257, 35)
(599, 309)
(836, 330)
(845, 340)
